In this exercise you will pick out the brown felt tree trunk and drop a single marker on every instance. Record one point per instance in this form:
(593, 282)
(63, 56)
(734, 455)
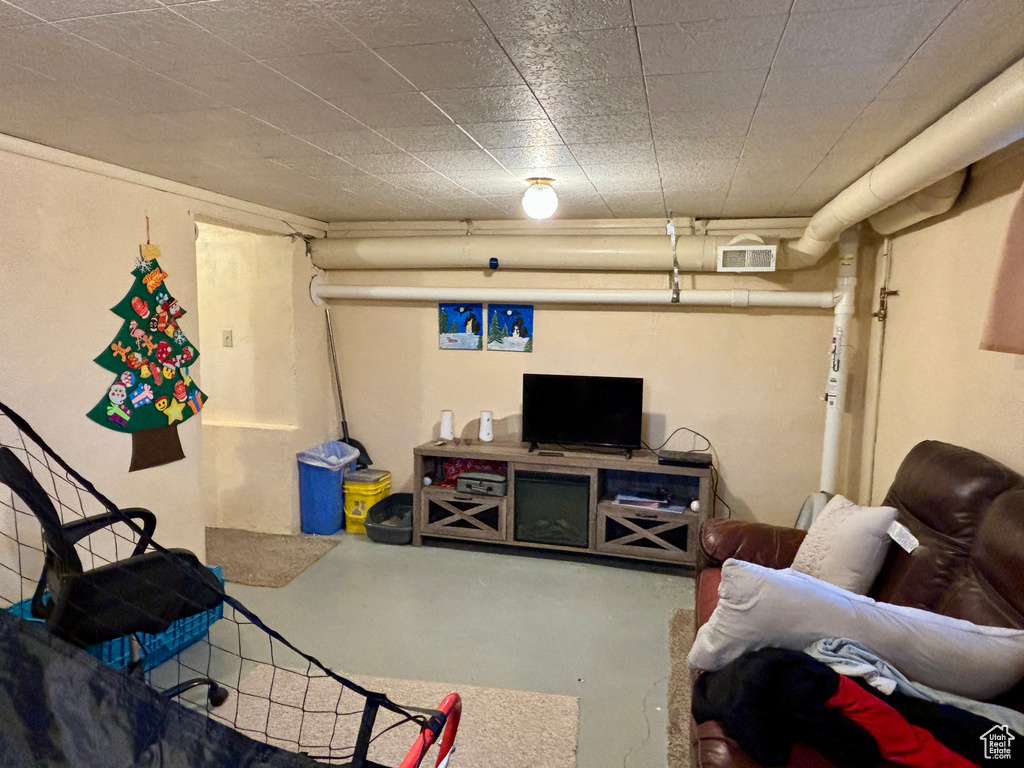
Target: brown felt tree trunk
(154, 447)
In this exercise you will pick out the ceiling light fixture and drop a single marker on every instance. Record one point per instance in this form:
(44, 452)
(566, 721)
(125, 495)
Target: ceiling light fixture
(540, 200)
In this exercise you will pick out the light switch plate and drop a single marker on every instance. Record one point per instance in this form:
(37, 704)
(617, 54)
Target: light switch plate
(227, 338)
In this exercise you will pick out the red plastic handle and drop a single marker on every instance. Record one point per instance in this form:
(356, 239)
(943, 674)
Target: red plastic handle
(448, 720)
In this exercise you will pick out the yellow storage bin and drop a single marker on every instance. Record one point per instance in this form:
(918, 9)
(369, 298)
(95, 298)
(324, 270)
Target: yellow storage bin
(363, 489)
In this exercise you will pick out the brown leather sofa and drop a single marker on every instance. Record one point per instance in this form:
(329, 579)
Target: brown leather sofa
(968, 513)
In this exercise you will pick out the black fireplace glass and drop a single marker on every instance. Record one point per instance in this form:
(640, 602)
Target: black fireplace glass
(552, 509)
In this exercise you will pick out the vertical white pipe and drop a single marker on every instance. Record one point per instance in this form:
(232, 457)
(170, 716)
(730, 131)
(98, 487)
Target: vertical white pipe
(835, 390)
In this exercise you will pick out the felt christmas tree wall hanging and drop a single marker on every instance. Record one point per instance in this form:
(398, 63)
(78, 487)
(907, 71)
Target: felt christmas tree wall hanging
(151, 358)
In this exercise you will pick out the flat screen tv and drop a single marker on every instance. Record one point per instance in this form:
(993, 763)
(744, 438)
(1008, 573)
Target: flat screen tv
(582, 410)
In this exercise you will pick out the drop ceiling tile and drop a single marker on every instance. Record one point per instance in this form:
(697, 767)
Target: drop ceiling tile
(12, 17)
(887, 33)
(709, 46)
(52, 52)
(700, 123)
(615, 152)
(697, 172)
(275, 145)
(57, 10)
(810, 6)
(387, 162)
(429, 183)
(143, 91)
(219, 123)
(361, 141)
(566, 178)
(465, 64)
(392, 110)
(590, 55)
(985, 30)
(610, 174)
(514, 133)
(801, 119)
(592, 97)
(489, 183)
(750, 207)
(349, 73)
(604, 128)
(703, 202)
(160, 40)
(628, 205)
(899, 121)
(725, 146)
(542, 17)
(12, 76)
(406, 22)
(716, 91)
(918, 77)
(546, 156)
(671, 11)
(25, 108)
(852, 84)
(488, 105)
(466, 160)
(319, 167)
(307, 116)
(269, 28)
(235, 85)
(423, 138)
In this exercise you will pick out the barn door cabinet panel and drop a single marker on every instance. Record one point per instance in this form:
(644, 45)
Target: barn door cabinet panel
(588, 502)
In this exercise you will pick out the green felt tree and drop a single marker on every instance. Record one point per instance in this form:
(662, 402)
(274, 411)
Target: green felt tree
(494, 332)
(151, 358)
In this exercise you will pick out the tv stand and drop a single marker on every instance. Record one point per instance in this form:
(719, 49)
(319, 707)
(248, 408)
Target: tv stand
(575, 501)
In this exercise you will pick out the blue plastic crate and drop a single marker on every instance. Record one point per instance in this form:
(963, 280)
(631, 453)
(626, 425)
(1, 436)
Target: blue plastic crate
(158, 648)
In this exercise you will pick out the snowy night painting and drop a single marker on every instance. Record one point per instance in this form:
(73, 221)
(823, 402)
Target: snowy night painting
(510, 327)
(460, 326)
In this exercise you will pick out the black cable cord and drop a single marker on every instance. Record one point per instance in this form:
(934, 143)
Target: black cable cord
(680, 429)
(714, 470)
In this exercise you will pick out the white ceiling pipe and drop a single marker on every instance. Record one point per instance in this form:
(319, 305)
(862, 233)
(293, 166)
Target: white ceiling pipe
(987, 121)
(930, 201)
(546, 252)
(726, 298)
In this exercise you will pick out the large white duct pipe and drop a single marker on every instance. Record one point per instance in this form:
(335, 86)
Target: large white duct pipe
(549, 252)
(987, 121)
(835, 387)
(724, 298)
(931, 201)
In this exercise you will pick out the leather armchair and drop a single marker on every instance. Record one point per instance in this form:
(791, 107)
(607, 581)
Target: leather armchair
(966, 510)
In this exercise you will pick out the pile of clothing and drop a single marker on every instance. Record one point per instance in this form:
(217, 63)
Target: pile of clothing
(852, 707)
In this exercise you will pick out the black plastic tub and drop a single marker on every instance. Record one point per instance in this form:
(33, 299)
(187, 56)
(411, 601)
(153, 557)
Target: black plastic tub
(389, 521)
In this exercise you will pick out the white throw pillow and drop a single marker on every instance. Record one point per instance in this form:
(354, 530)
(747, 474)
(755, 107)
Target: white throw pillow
(760, 607)
(846, 545)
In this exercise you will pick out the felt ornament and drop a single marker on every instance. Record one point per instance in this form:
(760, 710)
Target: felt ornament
(141, 307)
(153, 280)
(150, 399)
(173, 412)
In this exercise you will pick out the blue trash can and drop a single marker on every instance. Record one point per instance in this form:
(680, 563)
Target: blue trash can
(321, 477)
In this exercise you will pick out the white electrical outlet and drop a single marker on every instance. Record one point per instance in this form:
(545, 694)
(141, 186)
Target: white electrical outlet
(227, 338)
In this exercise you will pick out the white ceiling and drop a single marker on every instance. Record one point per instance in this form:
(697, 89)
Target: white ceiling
(439, 109)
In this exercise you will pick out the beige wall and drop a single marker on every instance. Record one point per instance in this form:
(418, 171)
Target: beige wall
(275, 395)
(751, 380)
(936, 383)
(68, 241)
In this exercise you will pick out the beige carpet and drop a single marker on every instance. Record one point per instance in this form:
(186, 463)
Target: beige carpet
(499, 727)
(263, 559)
(680, 638)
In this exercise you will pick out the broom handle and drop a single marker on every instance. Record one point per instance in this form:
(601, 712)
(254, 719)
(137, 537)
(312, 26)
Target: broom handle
(337, 378)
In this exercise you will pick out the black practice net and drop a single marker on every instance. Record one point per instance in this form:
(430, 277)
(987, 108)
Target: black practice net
(73, 562)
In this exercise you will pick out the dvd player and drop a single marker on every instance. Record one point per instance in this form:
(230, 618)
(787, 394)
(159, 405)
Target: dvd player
(684, 458)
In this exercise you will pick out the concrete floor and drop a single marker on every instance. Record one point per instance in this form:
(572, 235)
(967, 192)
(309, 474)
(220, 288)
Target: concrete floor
(584, 629)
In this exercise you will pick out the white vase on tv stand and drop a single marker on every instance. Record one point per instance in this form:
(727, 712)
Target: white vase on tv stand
(486, 426)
